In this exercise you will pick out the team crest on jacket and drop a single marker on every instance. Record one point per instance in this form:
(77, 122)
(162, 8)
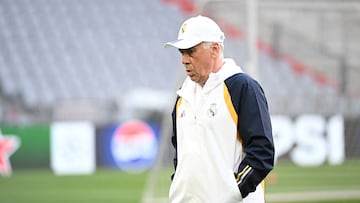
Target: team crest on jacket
(182, 114)
(212, 111)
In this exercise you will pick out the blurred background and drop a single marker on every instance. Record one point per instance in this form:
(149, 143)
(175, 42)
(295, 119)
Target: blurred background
(87, 88)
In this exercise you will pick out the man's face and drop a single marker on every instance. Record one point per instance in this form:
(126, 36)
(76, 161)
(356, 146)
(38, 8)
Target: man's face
(198, 62)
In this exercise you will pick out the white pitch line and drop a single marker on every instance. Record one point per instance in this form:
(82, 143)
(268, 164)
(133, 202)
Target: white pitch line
(312, 196)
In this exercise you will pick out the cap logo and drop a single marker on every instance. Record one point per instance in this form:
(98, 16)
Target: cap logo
(183, 28)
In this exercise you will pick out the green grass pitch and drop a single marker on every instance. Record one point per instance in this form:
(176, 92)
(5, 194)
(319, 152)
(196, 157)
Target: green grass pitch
(333, 184)
(109, 185)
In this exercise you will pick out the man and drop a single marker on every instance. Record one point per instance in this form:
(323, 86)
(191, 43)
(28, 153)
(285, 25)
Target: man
(221, 124)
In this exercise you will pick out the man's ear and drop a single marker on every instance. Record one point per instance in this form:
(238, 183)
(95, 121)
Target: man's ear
(215, 48)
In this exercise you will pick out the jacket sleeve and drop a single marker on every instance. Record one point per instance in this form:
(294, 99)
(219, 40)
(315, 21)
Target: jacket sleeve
(255, 131)
(173, 137)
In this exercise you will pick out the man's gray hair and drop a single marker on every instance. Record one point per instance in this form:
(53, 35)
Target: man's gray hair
(207, 45)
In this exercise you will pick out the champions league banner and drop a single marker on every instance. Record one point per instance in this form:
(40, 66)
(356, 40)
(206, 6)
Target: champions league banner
(131, 146)
(75, 147)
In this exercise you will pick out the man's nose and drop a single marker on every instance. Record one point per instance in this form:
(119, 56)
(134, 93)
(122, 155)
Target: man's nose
(185, 59)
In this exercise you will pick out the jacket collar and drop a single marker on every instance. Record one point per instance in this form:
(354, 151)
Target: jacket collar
(228, 69)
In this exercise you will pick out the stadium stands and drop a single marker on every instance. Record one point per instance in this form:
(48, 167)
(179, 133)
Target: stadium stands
(308, 52)
(59, 50)
(55, 52)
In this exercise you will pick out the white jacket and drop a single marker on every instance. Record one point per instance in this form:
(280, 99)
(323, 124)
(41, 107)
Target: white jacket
(208, 145)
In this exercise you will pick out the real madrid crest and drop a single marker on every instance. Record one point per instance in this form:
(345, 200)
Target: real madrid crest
(212, 111)
(183, 28)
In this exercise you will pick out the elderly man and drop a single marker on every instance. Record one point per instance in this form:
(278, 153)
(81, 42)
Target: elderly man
(221, 124)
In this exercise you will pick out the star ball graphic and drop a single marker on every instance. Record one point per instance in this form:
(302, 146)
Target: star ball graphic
(8, 145)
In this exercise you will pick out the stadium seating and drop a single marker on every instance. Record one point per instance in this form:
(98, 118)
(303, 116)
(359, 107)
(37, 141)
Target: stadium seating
(58, 51)
(63, 50)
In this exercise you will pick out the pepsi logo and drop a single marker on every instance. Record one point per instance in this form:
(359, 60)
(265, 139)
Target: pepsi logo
(134, 146)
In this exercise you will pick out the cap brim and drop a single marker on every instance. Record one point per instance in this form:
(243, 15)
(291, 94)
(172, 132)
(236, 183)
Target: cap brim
(183, 44)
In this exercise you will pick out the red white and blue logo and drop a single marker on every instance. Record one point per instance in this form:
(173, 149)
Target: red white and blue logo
(134, 146)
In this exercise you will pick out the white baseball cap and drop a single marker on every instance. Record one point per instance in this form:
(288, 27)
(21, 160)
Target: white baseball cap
(196, 30)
